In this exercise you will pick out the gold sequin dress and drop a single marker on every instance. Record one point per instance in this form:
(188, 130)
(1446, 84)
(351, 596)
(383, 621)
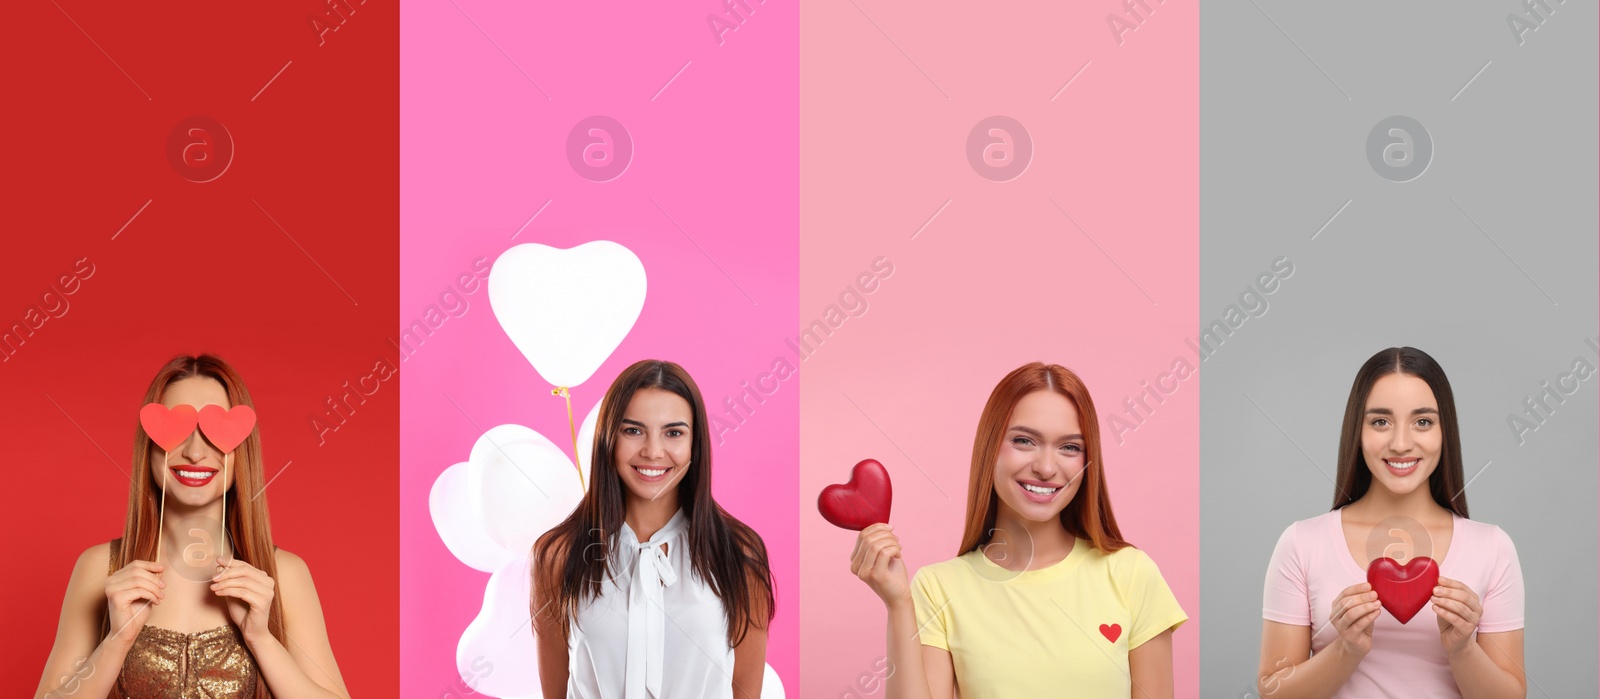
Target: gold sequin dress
(164, 664)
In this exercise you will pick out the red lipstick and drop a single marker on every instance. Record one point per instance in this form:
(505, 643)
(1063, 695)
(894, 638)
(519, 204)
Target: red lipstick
(209, 472)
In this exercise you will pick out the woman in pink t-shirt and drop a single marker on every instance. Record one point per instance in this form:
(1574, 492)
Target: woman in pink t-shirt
(1400, 494)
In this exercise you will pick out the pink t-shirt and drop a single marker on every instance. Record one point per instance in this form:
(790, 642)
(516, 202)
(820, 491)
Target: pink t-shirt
(1312, 565)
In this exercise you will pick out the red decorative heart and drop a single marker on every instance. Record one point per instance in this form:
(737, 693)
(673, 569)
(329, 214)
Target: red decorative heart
(1112, 632)
(227, 428)
(1403, 589)
(860, 502)
(167, 427)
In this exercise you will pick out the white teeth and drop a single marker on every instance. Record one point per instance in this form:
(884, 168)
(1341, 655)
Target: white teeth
(651, 472)
(197, 475)
(1404, 466)
(1039, 490)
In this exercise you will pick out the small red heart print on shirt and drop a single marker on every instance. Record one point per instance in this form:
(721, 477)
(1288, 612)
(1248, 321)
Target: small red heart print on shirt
(1112, 632)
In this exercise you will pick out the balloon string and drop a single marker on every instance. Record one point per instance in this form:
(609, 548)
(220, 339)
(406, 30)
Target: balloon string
(573, 427)
(162, 518)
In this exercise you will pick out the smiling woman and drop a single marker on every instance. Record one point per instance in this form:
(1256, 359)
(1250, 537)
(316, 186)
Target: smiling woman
(194, 600)
(650, 587)
(1044, 593)
(1399, 498)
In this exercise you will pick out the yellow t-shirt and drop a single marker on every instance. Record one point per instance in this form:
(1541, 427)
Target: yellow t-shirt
(1063, 630)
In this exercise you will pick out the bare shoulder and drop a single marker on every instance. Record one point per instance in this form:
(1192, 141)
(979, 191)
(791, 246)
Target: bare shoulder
(293, 573)
(94, 564)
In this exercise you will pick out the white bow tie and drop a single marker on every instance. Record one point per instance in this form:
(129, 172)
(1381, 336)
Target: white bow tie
(652, 573)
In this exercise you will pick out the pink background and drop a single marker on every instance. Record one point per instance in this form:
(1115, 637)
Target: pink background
(1000, 278)
(483, 149)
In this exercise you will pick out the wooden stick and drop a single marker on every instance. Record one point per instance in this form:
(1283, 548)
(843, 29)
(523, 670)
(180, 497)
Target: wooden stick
(162, 518)
(222, 539)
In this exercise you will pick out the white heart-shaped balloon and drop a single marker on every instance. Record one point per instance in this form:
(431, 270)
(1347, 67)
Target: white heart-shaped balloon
(497, 655)
(456, 499)
(567, 309)
(460, 524)
(523, 485)
(771, 685)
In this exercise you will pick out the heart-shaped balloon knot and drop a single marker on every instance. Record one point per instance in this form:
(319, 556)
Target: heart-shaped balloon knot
(572, 426)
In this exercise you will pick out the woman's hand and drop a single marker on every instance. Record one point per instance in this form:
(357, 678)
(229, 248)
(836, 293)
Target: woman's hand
(1459, 611)
(129, 594)
(876, 560)
(1355, 611)
(249, 592)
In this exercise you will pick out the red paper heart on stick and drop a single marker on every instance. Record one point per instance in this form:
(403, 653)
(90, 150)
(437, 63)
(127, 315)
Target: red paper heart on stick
(227, 427)
(860, 502)
(1403, 589)
(167, 427)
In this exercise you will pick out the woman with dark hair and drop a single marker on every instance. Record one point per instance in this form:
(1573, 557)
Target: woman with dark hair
(650, 588)
(1044, 597)
(183, 605)
(1400, 495)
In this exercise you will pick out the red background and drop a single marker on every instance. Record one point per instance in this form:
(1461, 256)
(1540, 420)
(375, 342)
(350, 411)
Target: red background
(298, 311)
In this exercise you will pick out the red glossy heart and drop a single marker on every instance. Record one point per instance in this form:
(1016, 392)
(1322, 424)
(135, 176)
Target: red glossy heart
(167, 427)
(1112, 632)
(1403, 589)
(227, 428)
(860, 502)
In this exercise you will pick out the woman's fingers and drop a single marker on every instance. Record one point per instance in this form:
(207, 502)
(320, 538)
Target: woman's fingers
(142, 574)
(865, 537)
(156, 587)
(1451, 617)
(1458, 592)
(136, 590)
(1457, 608)
(1354, 612)
(880, 563)
(1364, 624)
(1349, 599)
(239, 572)
(250, 597)
(1356, 589)
(857, 556)
(876, 547)
(242, 584)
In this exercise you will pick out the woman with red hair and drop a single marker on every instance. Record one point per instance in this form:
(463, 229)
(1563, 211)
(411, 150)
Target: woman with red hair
(193, 600)
(1044, 597)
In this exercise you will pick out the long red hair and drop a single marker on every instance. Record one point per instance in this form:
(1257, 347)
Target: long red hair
(1088, 516)
(248, 527)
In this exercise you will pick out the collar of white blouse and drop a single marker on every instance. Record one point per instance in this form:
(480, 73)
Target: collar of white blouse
(652, 573)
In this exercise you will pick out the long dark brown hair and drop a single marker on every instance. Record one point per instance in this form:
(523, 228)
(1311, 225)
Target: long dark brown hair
(573, 558)
(1088, 516)
(1354, 477)
(249, 528)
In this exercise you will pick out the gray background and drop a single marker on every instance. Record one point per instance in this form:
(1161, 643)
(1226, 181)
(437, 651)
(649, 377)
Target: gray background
(1487, 261)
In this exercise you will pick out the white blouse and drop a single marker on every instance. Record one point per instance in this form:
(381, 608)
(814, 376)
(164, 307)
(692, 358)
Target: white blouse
(657, 631)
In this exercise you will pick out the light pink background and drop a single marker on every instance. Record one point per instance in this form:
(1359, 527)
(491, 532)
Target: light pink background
(482, 149)
(1001, 277)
